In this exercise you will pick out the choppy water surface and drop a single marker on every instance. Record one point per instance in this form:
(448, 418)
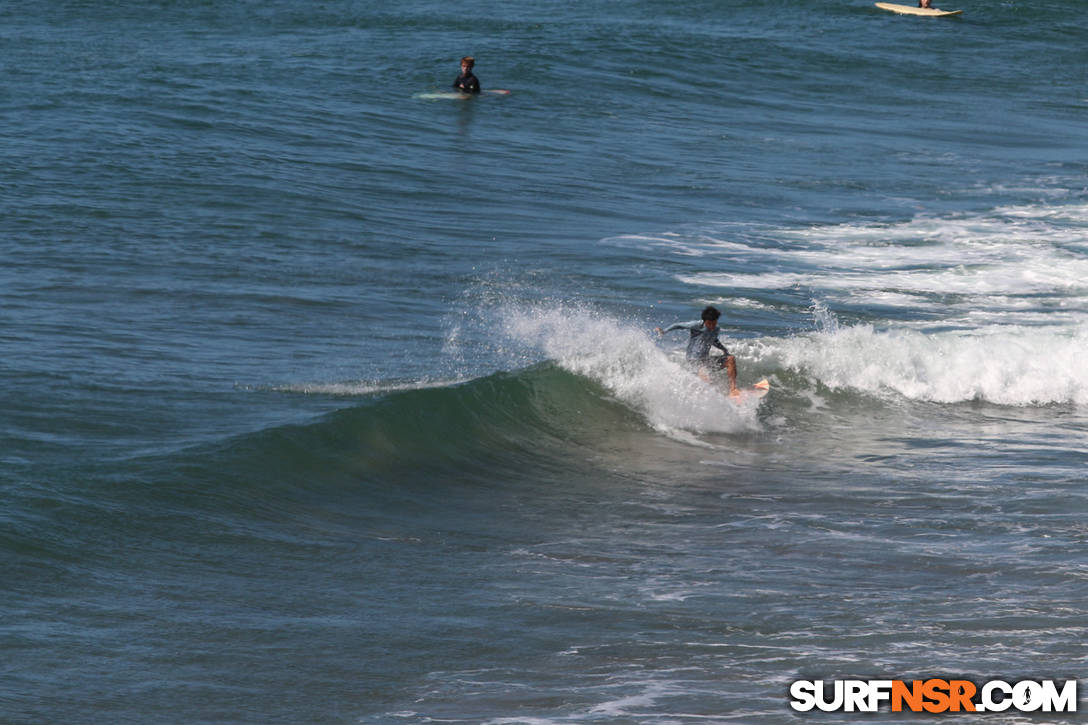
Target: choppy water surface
(328, 402)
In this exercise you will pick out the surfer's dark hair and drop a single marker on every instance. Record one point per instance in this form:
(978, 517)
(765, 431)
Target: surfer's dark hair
(711, 313)
(469, 60)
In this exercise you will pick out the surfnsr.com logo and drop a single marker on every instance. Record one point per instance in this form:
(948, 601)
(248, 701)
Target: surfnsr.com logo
(933, 695)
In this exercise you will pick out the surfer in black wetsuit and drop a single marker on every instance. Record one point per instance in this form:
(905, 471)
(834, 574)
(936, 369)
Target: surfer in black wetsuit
(704, 335)
(466, 82)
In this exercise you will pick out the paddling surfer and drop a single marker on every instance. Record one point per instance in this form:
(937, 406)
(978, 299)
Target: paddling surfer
(467, 82)
(704, 335)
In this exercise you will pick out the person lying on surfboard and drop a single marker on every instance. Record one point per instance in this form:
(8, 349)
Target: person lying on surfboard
(467, 82)
(704, 335)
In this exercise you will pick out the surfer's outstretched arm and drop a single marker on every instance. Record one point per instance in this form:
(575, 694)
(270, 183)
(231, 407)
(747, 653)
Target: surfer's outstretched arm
(679, 326)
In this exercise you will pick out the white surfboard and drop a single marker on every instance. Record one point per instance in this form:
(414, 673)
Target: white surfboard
(912, 10)
(436, 95)
(458, 95)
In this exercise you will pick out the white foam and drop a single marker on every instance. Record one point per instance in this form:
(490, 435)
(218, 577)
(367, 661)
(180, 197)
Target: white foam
(957, 266)
(628, 362)
(623, 706)
(1014, 260)
(1005, 365)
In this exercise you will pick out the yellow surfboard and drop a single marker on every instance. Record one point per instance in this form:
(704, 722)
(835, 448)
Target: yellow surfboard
(911, 10)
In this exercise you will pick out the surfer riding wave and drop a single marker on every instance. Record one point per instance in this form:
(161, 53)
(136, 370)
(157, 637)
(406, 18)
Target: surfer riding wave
(704, 335)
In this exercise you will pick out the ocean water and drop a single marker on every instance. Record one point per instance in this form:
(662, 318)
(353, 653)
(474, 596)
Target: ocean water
(328, 402)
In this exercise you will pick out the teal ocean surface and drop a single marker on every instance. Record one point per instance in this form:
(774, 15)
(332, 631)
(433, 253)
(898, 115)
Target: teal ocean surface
(327, 401)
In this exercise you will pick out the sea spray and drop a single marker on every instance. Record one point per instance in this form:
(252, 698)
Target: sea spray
(622, 357)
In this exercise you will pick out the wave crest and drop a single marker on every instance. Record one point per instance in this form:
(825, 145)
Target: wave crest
(1003, 365)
